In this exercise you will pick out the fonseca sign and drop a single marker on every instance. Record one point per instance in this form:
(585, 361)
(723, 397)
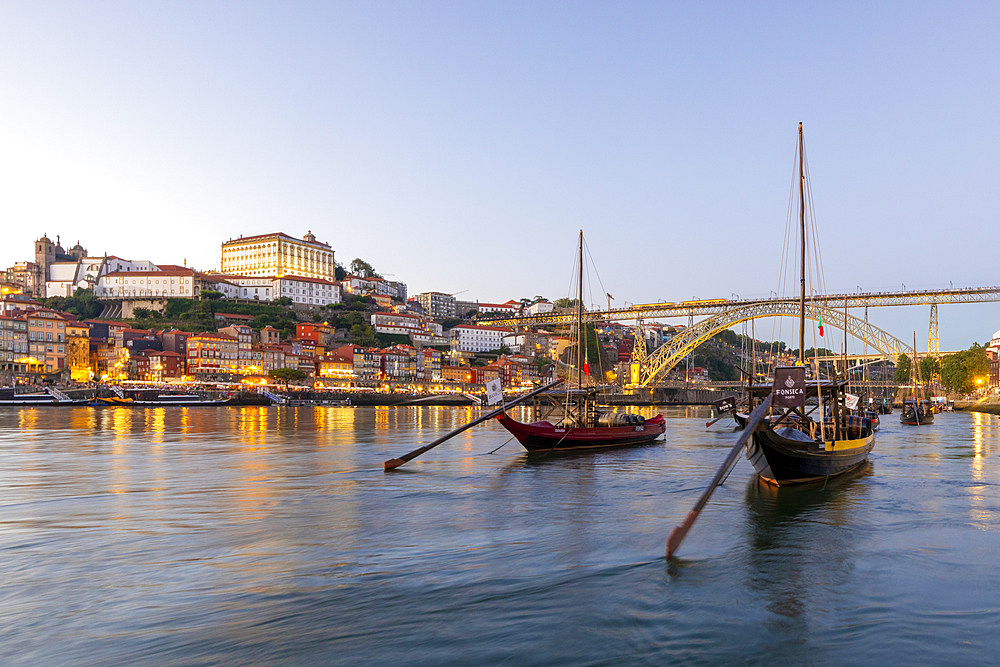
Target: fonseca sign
(725, 405)
(789, 387)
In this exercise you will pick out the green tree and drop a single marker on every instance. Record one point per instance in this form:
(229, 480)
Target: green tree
(287, 375)
(960, 371)
(363, 335)
(339, 272)
(564, 302)
(211, 294)
(902, 375)
(360, 267)
(929, 367)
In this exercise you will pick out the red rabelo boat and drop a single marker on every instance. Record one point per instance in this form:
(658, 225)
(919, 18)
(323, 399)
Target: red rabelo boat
(581, 424)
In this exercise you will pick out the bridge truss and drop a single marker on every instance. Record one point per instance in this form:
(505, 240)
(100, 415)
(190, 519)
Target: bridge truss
(667, 356)
(724, 313)
(711, 307)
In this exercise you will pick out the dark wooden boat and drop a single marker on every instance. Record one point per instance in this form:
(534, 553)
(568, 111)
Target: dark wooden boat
(792, 448)
(582, 424)
(916, 413)
(791, 445)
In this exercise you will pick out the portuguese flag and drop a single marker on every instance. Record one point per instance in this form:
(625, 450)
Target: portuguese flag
(821, 325)
(586, 363)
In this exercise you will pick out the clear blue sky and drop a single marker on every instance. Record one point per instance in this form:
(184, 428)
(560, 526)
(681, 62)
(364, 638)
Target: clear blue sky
(461, 145)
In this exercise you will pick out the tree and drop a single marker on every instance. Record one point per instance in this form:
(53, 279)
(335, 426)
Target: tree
(211, 294)
(902, 375)
(564, 303)
(339, 272)
(360, 267)
(287, 375)
(363, 335)
(929, 367)
(959, 371)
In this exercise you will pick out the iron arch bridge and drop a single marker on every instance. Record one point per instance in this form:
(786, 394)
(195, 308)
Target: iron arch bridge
(667, 356)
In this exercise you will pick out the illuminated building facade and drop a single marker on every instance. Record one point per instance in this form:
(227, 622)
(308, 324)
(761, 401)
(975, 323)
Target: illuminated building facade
(278, 254)
(47, 339)
(209, 352)
(13, 344)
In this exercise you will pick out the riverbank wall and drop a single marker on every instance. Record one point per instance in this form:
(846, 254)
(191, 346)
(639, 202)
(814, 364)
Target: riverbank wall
(990, 406)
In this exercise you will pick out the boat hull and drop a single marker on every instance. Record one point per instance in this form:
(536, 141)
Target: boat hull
(782, 460)
(544, 437)
(912, 420)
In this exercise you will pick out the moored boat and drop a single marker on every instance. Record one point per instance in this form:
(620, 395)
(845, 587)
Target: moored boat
(916, 413)
(791, 445)
(582, 424)
(543, 436)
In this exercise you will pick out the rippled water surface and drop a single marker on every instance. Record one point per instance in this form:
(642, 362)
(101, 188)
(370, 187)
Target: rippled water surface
(208, 535)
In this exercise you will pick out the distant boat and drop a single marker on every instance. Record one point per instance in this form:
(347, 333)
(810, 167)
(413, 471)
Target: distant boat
(583, 424)
(916, 412)
(151, 398)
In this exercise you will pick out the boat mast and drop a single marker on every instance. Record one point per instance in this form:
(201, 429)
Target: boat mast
(802, 254)
(579, 319)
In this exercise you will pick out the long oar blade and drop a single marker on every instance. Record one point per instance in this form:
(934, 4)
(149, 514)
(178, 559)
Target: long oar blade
(678, 534)
(392, 464)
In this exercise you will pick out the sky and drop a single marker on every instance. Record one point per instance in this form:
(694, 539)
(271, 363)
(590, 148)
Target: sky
(460, 146)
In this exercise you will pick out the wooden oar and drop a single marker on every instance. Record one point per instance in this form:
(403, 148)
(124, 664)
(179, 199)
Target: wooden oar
(395, 463)
(709, 423)
(679, 532)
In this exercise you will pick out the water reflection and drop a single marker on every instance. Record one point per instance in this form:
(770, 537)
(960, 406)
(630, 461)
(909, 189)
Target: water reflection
(801, 540)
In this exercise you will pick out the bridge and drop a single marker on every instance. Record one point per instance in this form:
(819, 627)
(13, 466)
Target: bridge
(652, 311)
(722, 314)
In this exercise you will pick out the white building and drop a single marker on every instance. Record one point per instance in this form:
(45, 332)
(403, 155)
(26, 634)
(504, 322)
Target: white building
(132, 284)
(540, 307)
(474, 338)
(252, 288)
(508, 308)
(119, 264)
(306, 290)
(278, 254)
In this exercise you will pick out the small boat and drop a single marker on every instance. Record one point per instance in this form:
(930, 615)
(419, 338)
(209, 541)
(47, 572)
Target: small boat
(583, 423)
(791, 445)
(151, 398)
(916, 412)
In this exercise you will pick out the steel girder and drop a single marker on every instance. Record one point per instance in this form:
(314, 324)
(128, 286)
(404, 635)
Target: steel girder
(718, 306)
(661, 361)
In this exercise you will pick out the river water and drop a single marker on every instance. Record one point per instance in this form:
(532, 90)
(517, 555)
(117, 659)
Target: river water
(273, 535)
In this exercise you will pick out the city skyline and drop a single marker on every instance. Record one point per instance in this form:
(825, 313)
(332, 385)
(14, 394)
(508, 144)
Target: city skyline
(458, 148)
